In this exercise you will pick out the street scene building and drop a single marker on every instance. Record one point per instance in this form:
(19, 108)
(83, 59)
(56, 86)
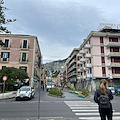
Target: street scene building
(21, 51)
(97, 58)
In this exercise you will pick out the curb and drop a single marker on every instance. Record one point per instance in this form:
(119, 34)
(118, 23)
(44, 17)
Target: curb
(8, 95)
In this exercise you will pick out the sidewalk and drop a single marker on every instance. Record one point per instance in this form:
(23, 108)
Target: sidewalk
(7, 95)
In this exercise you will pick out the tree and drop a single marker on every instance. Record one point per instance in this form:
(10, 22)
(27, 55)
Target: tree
(13, 75)
(3, 20)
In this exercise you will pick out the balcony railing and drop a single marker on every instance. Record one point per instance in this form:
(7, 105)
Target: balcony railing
(78, 62)
(112, 44)
(4, 60)
(115, 75)
(88, 55)
(79, 55)
(82, 60)
(88, 75)
(88, 65)
(111, 64)
(6, 47)
(87, 46)
(113, 54)
(82, 51)
(27, 48)
(25, 61)
(78, 78)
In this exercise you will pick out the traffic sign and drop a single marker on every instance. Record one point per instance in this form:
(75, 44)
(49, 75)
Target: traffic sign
(4, 78)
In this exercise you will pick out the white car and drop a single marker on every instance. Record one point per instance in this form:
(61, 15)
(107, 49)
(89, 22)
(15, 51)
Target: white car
(49, 86)
(25, 92)
(112, 89)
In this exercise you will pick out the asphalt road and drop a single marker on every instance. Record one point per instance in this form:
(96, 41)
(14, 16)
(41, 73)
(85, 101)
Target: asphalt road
(50, 107)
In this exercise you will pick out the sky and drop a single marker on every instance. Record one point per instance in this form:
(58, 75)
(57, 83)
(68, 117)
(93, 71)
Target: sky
(60, 25)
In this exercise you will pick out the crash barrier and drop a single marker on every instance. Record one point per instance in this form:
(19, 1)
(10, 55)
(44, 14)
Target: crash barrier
(78, 93)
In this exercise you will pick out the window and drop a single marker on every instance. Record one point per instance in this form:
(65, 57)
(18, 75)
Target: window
(116, 60)
(25, 44)
(6, 42)
(23, 57)
(103, 59)
(114, 49)
(5, 56)
(113, 39)
(116, 70)
(103, 70)
(101, 39)
(23, 68)
(3, 67)
(102, 49)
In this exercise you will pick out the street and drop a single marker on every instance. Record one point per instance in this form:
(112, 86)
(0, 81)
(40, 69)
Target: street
(70, 107)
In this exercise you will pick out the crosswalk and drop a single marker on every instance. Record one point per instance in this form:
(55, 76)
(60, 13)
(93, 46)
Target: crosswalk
(87, 110)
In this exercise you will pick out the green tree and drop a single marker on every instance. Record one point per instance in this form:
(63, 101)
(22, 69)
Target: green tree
(13, 75)
(4, 20)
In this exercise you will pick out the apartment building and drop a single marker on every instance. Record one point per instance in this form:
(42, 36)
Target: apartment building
(21, 51)
(71, 68)
(99, 58)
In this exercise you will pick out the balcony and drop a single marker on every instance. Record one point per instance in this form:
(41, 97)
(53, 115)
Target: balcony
(113, 54)
(23, 62)
(89, 75)
(4, 60)
(116, 75)
(111, 64)
(79, 55)
(88, 65)
(78, 78)
(78, 70)
(88, 55)
(27, 48)
(82, 51)
(87, 46)
(112, 44)
(82, 60)
(78, 62)
(84, 77)
(6, 47)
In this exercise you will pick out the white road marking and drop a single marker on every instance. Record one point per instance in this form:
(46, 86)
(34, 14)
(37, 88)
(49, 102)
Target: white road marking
(86, 114)
(98, 118)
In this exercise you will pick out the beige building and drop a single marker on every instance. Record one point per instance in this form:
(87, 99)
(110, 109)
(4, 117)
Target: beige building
(97, 58)
(21, 51)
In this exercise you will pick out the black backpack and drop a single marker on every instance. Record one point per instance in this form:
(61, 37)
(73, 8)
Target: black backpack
(104, 101)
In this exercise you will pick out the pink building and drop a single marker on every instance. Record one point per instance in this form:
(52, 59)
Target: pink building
(21, 51)
(98, 58)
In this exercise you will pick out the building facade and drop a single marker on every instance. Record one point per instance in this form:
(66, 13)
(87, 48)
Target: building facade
(99, 58)
(21, 51)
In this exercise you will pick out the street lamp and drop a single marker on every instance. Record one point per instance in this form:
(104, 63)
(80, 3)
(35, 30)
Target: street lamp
(90, 77)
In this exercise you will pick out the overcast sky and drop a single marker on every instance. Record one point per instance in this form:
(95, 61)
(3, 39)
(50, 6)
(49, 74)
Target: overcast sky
(60, 25)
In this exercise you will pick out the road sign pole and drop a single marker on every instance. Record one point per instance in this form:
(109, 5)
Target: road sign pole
(3, 89)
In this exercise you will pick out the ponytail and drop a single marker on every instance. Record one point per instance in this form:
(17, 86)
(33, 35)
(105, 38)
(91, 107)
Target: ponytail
(103, 87)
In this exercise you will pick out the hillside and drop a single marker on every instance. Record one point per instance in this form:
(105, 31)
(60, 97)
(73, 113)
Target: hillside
(55, 65)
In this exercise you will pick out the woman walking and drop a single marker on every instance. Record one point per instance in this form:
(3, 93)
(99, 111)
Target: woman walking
(102, 97)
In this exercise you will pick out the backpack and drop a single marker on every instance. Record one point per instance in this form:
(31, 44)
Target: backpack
(104, 101)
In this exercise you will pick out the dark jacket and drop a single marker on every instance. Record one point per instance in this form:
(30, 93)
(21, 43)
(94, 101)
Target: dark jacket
(98, 93)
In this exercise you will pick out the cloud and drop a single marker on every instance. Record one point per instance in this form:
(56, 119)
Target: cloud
(60, 25)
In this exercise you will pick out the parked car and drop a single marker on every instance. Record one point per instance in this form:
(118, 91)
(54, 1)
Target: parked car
(25, 92)
(112, 89)
(50, 85)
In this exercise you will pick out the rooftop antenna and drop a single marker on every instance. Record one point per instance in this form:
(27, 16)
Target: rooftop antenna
(108, 25)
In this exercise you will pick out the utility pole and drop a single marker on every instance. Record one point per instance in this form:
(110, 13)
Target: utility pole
(39, 88)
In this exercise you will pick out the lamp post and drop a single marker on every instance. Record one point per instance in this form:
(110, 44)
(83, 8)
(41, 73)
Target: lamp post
(39, 88)
(90, 77)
